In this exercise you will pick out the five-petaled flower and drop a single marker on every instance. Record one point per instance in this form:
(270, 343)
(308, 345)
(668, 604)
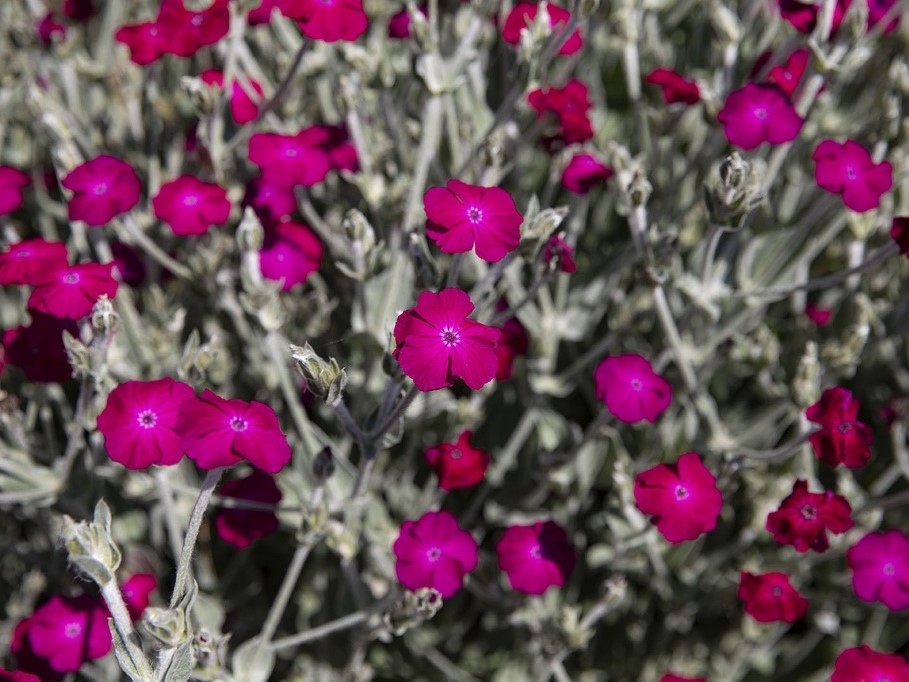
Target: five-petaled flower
(759, 113)
(524, 14)
(584, 172)
(290, 253)
(842, 438)
(190, 206)
(536, 557)
(804, 518)
(676, 89)
(631, 389)
(103, 188)
(12, 181)
(241, 527)
(880, 568)
(289, 160)
(434, 551)
(864, 664)
(23, 262)
(72, 290)
(847, 169)
(327, 20)
(458, 464)
(770, 597)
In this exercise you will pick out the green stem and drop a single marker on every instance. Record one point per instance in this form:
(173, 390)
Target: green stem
(184, 568)
(110, 591)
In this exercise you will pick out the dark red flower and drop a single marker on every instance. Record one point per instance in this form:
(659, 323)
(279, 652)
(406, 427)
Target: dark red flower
(513, 342)
(842, 438)
(458, 465)
(103, 188)
(899, 232)
(770, 597)
(676, 88)
(399, 24)
(129, 266)
(803, 16)
(143, 40)
(17, 676)
(71, 291)
(523, 15)
(669, 677)
(241, 527)
(571, 105)
(584, 172)
(23, 262)
(804, 518)
(79, 10)
(327, 20)
(560, 255)
(183, 32)
(12, 180)
(864, 664)
(37, 349)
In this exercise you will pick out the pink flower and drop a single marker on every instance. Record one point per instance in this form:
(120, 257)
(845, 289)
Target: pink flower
(399, 24)
(136, 593)
(804, 16)
(458, 465)
(513, 342)
(820, 316)
(71, 291)
(342, 154)
(880, 569)
(262, 14)
(583, 173)
(139, 422)
(218, 433)
(69, 631)
(243, 107)
(49, 29)
(899, 232)
(461, 215)
(759, 113)
(190, 206)
(37, 349)
(770, 597)
(436, 344)
(571, 104)
(669, 677)
(787, 77)
(143, 40)
(289, 160)
(12, 180)
(327, 20)
(17, 676)
(434, 551)
(847, 169)
(290, 253)
(271, 201)
(536, 557)
(682, 498)
(843, 439)
(676, 88)
(103, 188)
(241, 527)
(559, 254)
(523, 15)
(23, 262)
(804, 518)
(877, 10)
(864, 664)
(631, 389)
(184, 32)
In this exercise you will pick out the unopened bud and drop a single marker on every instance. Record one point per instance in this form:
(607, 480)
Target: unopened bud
(105, 319)
(90, 546)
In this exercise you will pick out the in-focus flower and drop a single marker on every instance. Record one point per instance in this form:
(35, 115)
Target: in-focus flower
(584, 172)
(71, 291)
(327, 20)
(459, 464)
(190, 206)
(103, 188)
(513, 342)
(631, 389)
(682, 498)
(143, 41)
(12, 180)
(864, 664)
(536, 557)
(788, 76)
(37, 349)
(216, 433)
(759, 113)
(560, 255)
(820, 316)
(137, 592)
(676, 88)
(434, 551)
(271, 202)
(69, 631)
(847, 169)
(129, 266)
(804, 518)
(523, 15)
(842, 438)
(899, 232)
(184, 32)
(770, 597)
(23, 262)
(139, 422)
(571, 104)
(669, 677)
(289, 160)
(241, 527)
(459, 216)
(880, 568)
(243, 106)
(436, 344)
(290, 253)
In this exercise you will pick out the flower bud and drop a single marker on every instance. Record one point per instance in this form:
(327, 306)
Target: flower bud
(250, 233)
(806, 386)
(90, 546)
(171, 627)
(325, 377)
(105, 319)
(412, 610)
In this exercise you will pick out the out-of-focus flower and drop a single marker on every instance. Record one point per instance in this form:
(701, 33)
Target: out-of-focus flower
(513, 342)
(523, 15)
(327, 20)
(137, 592)
(759, 113)
(290, 253)
(676, 89)
(342, 154)
(143, 41)
(12, 180)
(183, 32)
(847, 169)
(770, 597)
(571, 104)
(261, 14)
(536, 557)
(584, 172)
(17, 676)
(864, 664)
(242, 106)
(23, 262)
(289, 160)
(880, 568)
(788, 76)
(434, 551)
(72, 290)
(630, 388)
(190, 206)
(803, 16)
(241, 527)
(49, 29)
(69, 631)
(128, 264)
(271, 201)
(37, 349)
(559, 253)
(669, 677)
(843, 439)
(79, 10)
(399, 23)
(820, 316)
(804, 518)
(459, 464)
(899, 232)
(103, 188)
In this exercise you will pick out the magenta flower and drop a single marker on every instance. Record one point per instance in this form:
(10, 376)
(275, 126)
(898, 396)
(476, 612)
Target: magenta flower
(559, 254)
(12, 180)
(37, 349)
(261, 14)
(50, 30)
(137, 593)
(584, 172)
(434, 551)
(842, 438)
(289, 160)
(17, 676)
(759, 113)
(787, 77)
(461, 215)
(243, 107)
(184, 32)
(523, 15)
(241, 527)
(571, 104)
(631, 389)
(804, 518)
(290, 253)
(513, 342)
(880, 569)
(69, 631)
(864, 664)
(190, 206)
(23, 262)
(803, 16)
(676, 89)
(399, 23)
(669, 677)
(847, 169)
(877, 10)
(436, 344)
(327, 20)
(271, 202)
(770, 597)
(459, 464)
(139, 422)
(819, 316)
(536, 557)
(72, 291)
(103, 188)
(218, 433)
(899, 232)
(143, 41)
(682, 498)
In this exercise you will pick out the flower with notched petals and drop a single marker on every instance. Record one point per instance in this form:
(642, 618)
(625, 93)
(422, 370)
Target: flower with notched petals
(847, 169)
(880, 569)
(536, 557)
(143, 40)
(434, 551)
(289, 160)
(12, 180)
(290, 253)
(804, 518)
(459, 464)
(241, 527)
(842, 438)
(770, 597)
(103, 188)
(23, 262)
(327, 20)
(525, 13)
(759, 113)
(675, 88)
(243, 107)
(37, 349)
(190, 206)
(630, 388)
(864, 664)
(584, 172)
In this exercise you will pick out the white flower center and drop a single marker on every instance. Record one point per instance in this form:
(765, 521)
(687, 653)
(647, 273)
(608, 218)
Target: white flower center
(238, 424)
(474, 214)
(450, 337)
(147, 419)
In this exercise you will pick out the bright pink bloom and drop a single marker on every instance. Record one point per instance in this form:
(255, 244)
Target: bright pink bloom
(877, 10)
(37, 349)
(103, 188)
(571, 104)
(676, 88)
(290, 253)
(271, 202)
(880, 568)
(137, 592)
(458, 465)
(399, 24)
(241, 527)
(583, 173)
(72, 291)
(459, 215)
(804, 518)
(69, 631)
(682, 498)
(143, 40)
(631, 389)
(787, 77)
(139, 422)
(843, 439)
(770, 597)
(434, 551)
(23, 262)
(536, 557)
(217, 433)
(243, 107)
(847, 169)
(523, 15)
(759, 113)
(289, 160)
(262, 14)
(558, 251)
(12, 180)
(17, 676)
(669, 677)
(820, 316)
(327, 20)
(184, 32)
(190, 206)
(513, 342)
(899, 232)
(49, 29)
(129, 267)
(864, 664)
(436, 344)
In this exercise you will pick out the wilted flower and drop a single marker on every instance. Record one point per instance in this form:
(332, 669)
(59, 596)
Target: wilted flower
(434, 551)
(327, 20)
(759, 113)
(37, 349)
(571, 104)
(864, 664)
(631, 389)
(880, 568)
(770, 597)
(804, 518)
(290, 253)
(847, 169)
(289, 160)
(23, 262)
(190, 206)
(523, 15)
(103, 188)
(243, 108)
(584, 172)
(559, 253)
(536, 557)
(241, 527)
(71, 291)
(128, 264)
(459, 464)
(12, 180)
(676, 88)
(843, 439)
